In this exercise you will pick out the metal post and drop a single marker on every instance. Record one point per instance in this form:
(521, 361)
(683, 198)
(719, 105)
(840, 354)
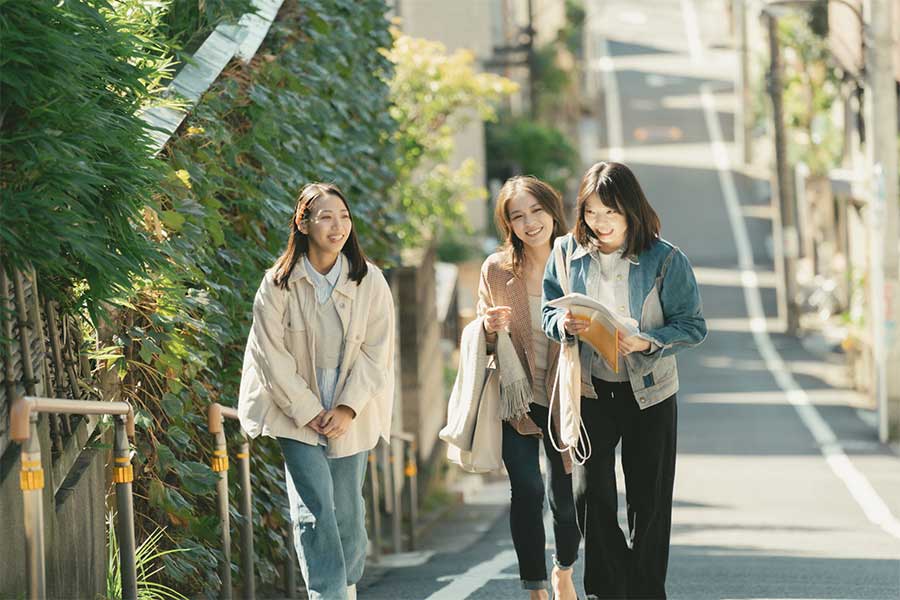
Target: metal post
(31, 480)
(290, 568)
(220, 466)
(532, 63)
(782, 177)
(743, 129)
(397, 514)
(247, 523)
(411, 472)
(123, 475)
(882, 154)
(374, 505)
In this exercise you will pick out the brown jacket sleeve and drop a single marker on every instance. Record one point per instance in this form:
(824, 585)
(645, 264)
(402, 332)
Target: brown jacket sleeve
(485, 301)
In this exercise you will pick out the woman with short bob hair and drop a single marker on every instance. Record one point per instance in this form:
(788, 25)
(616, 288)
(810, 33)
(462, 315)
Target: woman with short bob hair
(318, 376)
(615, 256)
(529, 216)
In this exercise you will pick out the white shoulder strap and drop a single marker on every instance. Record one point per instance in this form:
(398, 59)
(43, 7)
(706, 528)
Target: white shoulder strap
(563, 266)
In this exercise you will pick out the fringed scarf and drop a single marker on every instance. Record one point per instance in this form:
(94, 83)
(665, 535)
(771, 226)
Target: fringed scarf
(515, 389)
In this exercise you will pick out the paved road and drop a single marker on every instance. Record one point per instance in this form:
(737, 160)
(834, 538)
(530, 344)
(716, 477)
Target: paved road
(782, 490)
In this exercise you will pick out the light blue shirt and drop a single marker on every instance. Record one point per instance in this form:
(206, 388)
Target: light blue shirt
(324, 284)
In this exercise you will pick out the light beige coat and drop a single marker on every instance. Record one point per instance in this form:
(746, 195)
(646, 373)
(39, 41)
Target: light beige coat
(279, 395)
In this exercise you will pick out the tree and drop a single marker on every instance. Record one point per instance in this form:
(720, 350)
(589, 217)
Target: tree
(433, 94)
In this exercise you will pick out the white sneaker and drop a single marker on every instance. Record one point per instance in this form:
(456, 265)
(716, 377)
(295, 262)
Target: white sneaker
(351, 592)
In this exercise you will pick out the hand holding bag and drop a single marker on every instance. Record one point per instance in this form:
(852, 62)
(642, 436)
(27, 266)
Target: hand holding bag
(567, 386)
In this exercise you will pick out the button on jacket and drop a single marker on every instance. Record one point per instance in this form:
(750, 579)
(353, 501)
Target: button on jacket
(662, 291)
(279, 394)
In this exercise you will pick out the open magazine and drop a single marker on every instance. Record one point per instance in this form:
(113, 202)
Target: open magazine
(604, 322)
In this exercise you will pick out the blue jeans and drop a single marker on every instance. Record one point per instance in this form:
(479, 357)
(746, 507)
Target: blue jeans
(329, 517)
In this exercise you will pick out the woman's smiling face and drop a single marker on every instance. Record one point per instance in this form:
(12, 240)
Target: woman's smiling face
(530, 222)
(609, 226)
(328, 224)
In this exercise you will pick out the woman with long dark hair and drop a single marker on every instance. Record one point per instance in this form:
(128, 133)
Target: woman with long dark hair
(616, 256)
(529, 216)
(318, 376)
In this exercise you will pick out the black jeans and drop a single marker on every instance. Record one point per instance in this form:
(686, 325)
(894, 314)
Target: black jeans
(526, 520)
(612, 568)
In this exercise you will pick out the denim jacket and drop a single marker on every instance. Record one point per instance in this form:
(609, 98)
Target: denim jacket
(662, 290)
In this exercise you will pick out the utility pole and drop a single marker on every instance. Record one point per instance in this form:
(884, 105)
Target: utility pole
(784, 189)
(511, 55)
(743, 130)
(882, 155)
(532, 62)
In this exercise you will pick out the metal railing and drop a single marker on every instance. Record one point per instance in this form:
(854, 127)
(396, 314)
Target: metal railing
(216, 415)
(383, 461)
(23, 422)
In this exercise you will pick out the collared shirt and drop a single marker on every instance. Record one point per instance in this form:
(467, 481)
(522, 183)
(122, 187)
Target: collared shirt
(324, 284)
(607, 282)
(329, 347)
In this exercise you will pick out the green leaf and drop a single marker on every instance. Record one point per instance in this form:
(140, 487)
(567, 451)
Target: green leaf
(174, 221)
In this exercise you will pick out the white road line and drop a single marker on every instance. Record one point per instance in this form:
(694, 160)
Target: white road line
(859, 487)
(695, 47)
(868, 417)
(475, 578)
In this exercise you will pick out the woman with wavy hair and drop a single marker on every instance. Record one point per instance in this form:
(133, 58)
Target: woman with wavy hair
(529, 216)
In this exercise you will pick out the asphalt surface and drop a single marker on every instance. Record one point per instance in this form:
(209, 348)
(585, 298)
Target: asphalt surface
(782, 489)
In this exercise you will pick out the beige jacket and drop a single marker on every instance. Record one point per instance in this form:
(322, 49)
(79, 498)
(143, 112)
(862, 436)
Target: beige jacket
(279, 395)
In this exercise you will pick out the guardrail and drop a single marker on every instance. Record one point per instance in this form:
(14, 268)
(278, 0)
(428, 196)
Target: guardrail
(383, 460)
(216, 415)
(23, 419)
(383, 475)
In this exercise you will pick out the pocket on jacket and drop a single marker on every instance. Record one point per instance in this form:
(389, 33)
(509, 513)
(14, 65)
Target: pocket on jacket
(295, 340)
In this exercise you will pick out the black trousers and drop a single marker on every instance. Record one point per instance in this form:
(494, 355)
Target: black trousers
(615, 568)
(526, 521)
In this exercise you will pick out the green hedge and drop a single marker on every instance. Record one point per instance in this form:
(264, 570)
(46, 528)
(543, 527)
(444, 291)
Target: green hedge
(67, 71)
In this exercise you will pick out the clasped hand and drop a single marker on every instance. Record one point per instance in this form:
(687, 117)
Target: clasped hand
(333, 423)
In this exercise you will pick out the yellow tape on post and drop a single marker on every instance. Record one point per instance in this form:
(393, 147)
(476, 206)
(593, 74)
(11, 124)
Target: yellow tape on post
(31, 480)
(123, 474)
(219, 463)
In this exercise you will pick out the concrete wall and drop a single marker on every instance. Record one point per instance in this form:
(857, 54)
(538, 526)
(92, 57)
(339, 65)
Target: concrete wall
(74, 522)
(74, 484)
(423, 396)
